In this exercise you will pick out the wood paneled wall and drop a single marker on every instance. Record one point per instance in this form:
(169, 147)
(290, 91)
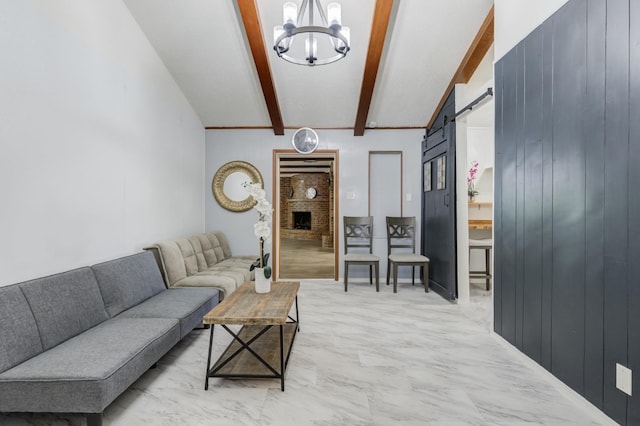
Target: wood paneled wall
(567, 204)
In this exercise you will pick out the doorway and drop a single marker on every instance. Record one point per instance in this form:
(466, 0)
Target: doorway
(305, 230)
(479, 127)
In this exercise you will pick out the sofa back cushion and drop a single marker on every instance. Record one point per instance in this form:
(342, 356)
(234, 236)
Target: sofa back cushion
(215, 243)
(197, 248)
(207, 250)
(173, 262)
(64, 305)
(19, 338)
(128, 281)
(189, 256)
(224, 244)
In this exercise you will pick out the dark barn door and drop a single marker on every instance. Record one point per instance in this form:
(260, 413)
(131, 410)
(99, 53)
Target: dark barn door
(439, 210)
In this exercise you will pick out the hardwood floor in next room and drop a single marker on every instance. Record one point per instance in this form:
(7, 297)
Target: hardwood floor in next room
(305, 259)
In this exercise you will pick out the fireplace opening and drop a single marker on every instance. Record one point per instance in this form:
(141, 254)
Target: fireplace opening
(301, 220)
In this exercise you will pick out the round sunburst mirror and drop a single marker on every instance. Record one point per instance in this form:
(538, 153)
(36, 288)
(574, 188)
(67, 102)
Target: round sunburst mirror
(227, 185)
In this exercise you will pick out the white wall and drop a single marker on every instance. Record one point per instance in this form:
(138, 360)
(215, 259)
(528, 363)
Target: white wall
(480, 147)
(100, 153)
(515, 19)
(256, 147)
(462, 213)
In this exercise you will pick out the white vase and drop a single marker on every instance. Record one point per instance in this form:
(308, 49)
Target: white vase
(263, 285)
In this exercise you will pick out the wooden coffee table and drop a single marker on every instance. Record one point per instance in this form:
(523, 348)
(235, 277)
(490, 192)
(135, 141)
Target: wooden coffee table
(258, 349)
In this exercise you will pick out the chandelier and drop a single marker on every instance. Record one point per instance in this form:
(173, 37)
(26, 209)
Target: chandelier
(333, 37)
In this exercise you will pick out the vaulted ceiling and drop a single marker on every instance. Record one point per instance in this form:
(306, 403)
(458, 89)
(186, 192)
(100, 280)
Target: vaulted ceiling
(405, 56)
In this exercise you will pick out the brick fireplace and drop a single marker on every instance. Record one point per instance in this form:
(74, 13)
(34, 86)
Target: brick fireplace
(302, 218)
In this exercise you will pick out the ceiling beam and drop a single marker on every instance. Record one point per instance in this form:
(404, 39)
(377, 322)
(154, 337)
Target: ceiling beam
(379, 28)
(253, 29)
(479, 47)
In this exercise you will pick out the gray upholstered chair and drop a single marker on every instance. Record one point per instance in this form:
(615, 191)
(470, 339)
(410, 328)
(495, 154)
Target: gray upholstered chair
(401, 234)
(358, 235)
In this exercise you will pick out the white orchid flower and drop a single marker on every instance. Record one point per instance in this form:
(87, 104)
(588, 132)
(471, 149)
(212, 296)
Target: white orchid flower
(264, 208)
(260, 194)
(252, 188)
(262, 230)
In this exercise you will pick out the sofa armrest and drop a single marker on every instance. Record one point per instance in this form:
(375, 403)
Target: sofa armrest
(158, 256)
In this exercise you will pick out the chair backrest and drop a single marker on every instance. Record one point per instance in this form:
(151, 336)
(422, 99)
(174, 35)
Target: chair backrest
(358, 232)
(401, 233)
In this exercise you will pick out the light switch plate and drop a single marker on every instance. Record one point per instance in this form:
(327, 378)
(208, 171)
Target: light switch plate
(623, 379)
(351, 195)
(409, 196)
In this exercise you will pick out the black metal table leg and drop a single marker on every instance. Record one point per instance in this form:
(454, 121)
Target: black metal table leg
(297, 315)
(206, 380)
(282, 357)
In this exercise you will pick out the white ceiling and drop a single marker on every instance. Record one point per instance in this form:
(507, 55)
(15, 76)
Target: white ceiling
(204, 45)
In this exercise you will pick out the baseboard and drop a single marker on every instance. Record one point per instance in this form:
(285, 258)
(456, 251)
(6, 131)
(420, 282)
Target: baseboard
(580, 401)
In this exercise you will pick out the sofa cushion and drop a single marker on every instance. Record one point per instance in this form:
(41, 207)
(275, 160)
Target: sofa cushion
(239, 265)
(226, 249)
(188, 305)
(197, 248)
(19, 338)
(237, 275)
(226, 284)
(64, 305)
(237, 262)
(215, 243)
(173, 262)
(189, 256)
(207, 250)
(242, 272)
(86, 373)
(127, 281)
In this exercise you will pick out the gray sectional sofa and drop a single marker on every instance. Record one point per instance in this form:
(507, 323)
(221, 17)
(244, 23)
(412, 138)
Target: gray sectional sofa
(74, 341)
(203, 260)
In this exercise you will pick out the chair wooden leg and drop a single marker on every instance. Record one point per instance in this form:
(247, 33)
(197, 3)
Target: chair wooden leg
(370, 274)
(425, 273)
(388, 270)
(395, 277)
(375, 267)
(487, 267)
(413, 274)
(346, 275)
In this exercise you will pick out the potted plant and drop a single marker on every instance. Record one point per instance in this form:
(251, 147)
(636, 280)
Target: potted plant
(262, 231)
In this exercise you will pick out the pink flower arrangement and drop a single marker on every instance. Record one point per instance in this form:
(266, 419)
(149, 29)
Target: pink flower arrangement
(472, 172)
(471, 190)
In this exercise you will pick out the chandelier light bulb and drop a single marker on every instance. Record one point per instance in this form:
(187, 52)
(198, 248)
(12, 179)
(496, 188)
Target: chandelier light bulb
(289, 13)
(346, 32)
(278, 30)
(311, 47)
(334, 14)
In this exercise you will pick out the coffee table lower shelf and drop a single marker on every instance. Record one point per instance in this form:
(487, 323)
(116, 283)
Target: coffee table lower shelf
(256, 352)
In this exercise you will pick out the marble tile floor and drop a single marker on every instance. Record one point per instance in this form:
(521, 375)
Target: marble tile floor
(361, 358)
